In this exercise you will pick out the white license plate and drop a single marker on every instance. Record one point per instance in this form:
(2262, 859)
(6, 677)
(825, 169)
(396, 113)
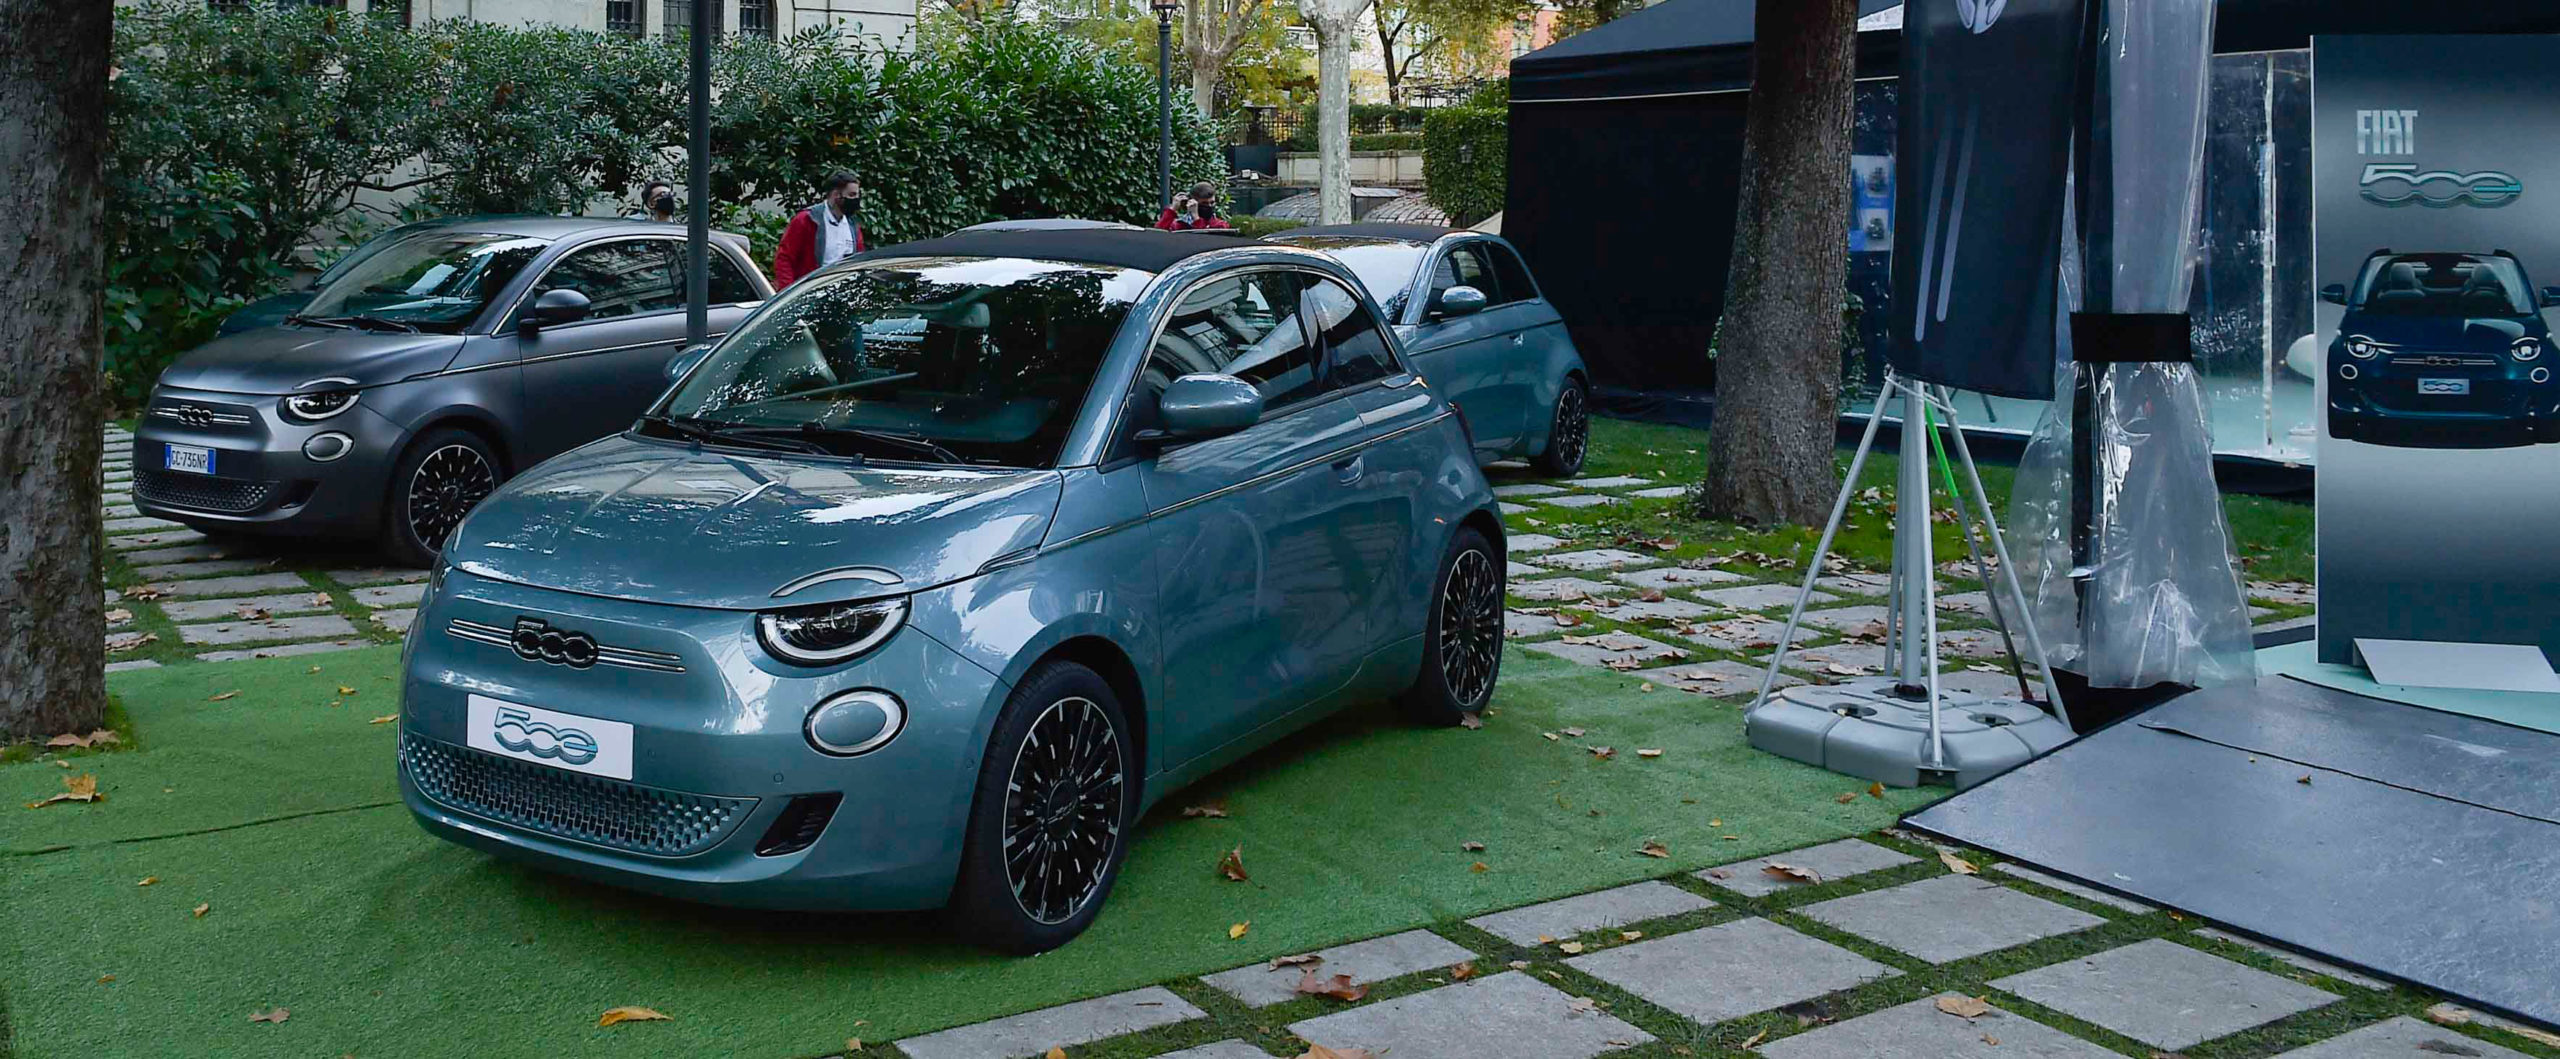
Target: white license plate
(591, 745)
(2445, 387)
(192, 459)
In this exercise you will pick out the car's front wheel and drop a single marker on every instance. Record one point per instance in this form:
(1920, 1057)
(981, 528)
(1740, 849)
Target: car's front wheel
(438, 480)
(1462, 639)
(1050, 823)
(1569, 435)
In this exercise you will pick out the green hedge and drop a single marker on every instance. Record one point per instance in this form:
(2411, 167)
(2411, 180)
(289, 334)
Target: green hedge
(1369, 119)
(1387, 141)
(1465, 155)
(234, 135)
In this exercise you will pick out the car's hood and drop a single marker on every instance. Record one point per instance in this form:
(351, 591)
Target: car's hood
(633, 519)
(2439, 334)
(277, 359)
(266, 312)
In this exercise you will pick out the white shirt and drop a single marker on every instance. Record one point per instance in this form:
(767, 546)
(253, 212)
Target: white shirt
(835, 235)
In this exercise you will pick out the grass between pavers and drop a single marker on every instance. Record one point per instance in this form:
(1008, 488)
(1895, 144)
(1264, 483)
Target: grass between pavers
(273, 806)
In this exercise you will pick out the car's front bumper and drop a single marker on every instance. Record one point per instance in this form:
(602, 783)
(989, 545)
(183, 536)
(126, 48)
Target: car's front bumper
(717, 754)
(263, 480)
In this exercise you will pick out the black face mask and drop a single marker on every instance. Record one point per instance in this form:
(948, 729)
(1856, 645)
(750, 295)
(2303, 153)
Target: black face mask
(664, 203)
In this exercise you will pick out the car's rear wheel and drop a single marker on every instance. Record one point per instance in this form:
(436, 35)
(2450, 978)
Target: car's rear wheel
(1049, 826)
(439, 479)
(1462, 639)
(1569, 435)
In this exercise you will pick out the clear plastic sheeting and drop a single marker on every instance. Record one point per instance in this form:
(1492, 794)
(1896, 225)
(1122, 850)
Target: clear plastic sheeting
(2150, 594)
(2164, 604)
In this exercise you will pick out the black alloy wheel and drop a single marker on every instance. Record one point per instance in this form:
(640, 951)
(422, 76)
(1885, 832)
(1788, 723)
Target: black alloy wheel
(1462, 640)
(1570, 435)
(1062, 810)
(441, 478)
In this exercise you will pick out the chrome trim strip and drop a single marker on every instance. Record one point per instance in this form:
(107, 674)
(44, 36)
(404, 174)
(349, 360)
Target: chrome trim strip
(1246, 484)
(495, 365)
(873, 574)
(679, 242)
(627, 658)
(212, 418)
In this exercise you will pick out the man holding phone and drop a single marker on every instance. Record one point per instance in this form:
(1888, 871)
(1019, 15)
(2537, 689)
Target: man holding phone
(1194, 210)
(823, 234)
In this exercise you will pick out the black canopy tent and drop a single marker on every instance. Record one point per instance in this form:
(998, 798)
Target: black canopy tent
(1626, 143)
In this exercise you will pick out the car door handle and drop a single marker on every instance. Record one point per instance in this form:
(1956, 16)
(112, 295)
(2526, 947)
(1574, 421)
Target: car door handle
(1349, 470)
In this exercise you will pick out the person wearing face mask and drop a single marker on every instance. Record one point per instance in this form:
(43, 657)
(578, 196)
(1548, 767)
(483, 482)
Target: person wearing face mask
(657, 203)
(823, 234)
(1196, 210)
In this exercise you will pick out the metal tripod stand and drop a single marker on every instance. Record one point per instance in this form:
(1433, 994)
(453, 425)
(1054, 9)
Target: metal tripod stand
(1897, 728)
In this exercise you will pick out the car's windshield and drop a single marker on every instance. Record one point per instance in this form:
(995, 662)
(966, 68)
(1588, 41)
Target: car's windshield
(433, 281)
(1385, 266)
(986, 358)
(2442, 285)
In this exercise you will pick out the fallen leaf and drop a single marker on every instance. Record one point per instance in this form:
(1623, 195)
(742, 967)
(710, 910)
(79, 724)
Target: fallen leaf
(1790, 872)
(148, 880)
(1237, 931)
(1649, 751)
(1584, 641)
(1471, 846)
(277, 1015)
(1652, 595)
(203, 908)
(1654, 849)
(1970, 1007)
(1478, 868)
(246, 612)
(2448, 1048)
(80, 788)
(1581, 1005)
(1715, 823)
(1646, 686)
(127, 641)
(105, 978)
(1718, 873)
(629, 1014)
(1340, 986)
(1991, 1040)
(1055, 1053)
(1574, 732)
(1630, 935)
(1957, 864)
(2305, 780)
(1232, 865)
(1211, 811)
(67, 739)
(1470, 721)
(1570, 948)
(1567, 621)
(384, 719)
(1465, 969)
(1519, 965)
(1318, 1051)
(1299, 960)
(2449, 1015)
(345, 690)
(119, 616)
(2541, 1037)
(225, 696)
(1551, 736)
(320, 599)
(1604, 753)
(1847, 798)
(1875, 790)
(1755, 1039)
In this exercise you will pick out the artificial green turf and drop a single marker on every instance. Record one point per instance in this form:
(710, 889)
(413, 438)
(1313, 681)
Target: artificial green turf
(382, 941)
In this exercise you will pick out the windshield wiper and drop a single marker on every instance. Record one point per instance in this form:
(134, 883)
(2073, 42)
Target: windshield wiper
(372, 323)
(313, 321)
(712, 431)
(910, 442)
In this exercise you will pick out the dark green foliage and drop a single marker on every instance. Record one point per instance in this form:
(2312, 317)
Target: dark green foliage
(1366, 119)
(1465, 159)
(1495, 94)
(1387, 141)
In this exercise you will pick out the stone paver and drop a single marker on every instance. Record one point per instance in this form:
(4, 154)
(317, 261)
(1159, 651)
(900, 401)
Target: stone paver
(139, 541)
(2401, 1037)
(1972, 643)
(1842, 619)
(121, 510)
(139, 663)
(206, 568)
(1509, 508)
(284, 650)
(2164, 994)
(1674, 578)
(1920, 1029)
(141, 522)
(182, 553)
(1720, 679)
(1732, 969)
(396, 620)
(1067, 1025)
(1737, 634)
(1219, 1050)
(1261, 985)
(1563, 588)
(1580, 500)
(1831, 860)
(1977, 604)
(192, 610)
(1977, 682)
(1862, 659)
(390, 595)
(1615, 481)
(1526, 489)
(1616, 650)
(2299, 960)
(1950, 917)
(1760, 597)
(1661, 493)
(2085, 893)
(1595, 559)
(1516, 625)
(240, 585)
(1503, 1016)
(1517, 569)
(1658, 610)
(1531, 542)
(1856, 584)
(304, 628)
(377, 575)
(1651, 899)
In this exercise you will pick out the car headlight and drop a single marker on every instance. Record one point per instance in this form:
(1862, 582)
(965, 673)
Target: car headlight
(2360, 347)
(829, 633)
(2526, 348)
(318, 404)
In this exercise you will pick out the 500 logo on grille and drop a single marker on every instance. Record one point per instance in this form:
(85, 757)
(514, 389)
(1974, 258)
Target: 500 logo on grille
(2401, 184)
(541, 739)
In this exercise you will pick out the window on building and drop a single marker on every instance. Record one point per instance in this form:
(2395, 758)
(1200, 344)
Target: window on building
(755, 18)
(679, 16)
(623, 17)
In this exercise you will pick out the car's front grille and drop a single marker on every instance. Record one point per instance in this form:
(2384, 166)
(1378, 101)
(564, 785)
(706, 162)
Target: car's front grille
(590, 809)
(200, 492)
(202, 413)
(2444, 360)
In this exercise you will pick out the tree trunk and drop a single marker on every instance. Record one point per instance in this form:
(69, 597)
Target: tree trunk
(1204, 84)
(1387, 61)
(1334, 21)
(53, 106)
(1769, 458)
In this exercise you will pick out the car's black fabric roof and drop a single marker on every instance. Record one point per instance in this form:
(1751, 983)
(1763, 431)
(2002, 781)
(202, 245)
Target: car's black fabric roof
(1144, 249)
(1411, 233)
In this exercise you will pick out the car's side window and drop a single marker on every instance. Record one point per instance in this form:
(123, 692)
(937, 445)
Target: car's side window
(1354, 350)
(729, 284)
(1463, 266)
(621, 278)
(1516, 285)
(1244, 324)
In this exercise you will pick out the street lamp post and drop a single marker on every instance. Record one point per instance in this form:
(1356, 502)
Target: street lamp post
(1164, 100)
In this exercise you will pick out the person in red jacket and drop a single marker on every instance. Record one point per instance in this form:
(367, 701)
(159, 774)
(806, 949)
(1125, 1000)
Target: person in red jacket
(1195, 211)
(824, 233)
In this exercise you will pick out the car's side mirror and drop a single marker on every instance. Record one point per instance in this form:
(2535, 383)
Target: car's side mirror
(559, 305)
(2551, 295)
(1207, 406)
(2334, 294)
(1460, 300)
(684, 361)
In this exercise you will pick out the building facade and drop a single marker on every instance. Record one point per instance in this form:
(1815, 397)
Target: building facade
(893, 21)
